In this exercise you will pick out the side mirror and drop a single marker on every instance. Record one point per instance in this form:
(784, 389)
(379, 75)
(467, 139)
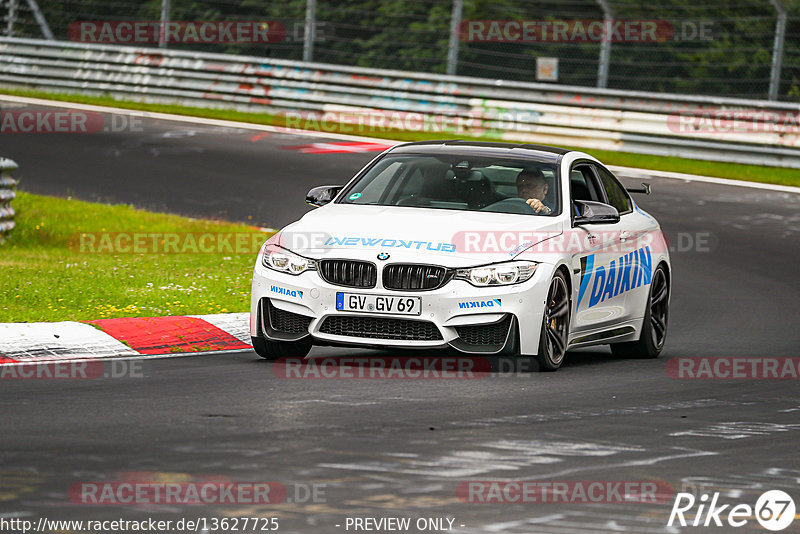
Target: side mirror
(319, 196)
(595, 213)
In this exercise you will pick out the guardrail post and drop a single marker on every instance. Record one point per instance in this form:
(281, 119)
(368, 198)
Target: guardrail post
(7, 194)
(308, 37)
(605, 46)
(11, 17)
(165, 16)
(777, 50)
(452, 47)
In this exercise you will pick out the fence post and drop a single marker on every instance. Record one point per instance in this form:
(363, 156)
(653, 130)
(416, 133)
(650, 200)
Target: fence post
(308, 36)
(452, 47)
(777, 50)
(7, 194)
(165, 17)
(605, 46)
(11, 17)
(37, 14)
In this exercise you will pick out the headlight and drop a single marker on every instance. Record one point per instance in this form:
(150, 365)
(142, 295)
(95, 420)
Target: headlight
(283, 261)
(502, 274)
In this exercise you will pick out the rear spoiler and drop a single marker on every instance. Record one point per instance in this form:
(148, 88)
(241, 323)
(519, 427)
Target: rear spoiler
(645, 189)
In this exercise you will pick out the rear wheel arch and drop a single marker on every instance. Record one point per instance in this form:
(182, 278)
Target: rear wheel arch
(651, 341)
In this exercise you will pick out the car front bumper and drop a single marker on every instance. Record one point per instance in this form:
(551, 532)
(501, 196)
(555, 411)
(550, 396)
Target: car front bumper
(476, 320)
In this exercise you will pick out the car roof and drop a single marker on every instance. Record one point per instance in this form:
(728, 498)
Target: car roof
(482, 148)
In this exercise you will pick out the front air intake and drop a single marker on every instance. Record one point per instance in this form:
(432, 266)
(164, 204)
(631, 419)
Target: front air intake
(381, 328)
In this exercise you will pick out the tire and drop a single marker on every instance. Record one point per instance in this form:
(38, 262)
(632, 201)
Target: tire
(654, 326)
(555, 325)
(272, 350)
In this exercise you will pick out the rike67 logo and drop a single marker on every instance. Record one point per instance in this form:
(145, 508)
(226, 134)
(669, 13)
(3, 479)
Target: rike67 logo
(774, 510)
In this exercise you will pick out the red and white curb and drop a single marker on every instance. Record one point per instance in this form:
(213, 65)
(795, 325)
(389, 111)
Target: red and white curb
(127, 337)
(351, 147)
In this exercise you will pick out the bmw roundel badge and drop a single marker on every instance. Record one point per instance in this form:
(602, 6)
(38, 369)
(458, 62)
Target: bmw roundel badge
(383, 256)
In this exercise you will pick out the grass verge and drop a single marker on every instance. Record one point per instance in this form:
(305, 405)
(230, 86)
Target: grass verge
(46, 275)
(755, 173)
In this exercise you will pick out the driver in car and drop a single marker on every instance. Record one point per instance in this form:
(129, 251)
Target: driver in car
(532, 187)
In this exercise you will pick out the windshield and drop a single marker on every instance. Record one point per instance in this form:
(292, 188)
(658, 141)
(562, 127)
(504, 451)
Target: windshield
(458, 182)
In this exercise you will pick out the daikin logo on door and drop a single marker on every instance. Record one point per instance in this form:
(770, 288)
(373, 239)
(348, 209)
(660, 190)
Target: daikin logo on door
(622, 274)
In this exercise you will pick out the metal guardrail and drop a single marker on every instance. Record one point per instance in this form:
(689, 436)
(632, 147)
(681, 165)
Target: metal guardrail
(7, 194)
(763, 132)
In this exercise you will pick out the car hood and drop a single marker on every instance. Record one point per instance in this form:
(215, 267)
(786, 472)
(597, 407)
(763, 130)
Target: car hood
(420, 235)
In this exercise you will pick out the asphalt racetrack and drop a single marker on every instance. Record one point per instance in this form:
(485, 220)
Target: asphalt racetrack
(400, 448)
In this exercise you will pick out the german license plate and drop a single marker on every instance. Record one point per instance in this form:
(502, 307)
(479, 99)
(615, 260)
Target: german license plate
(395, 305)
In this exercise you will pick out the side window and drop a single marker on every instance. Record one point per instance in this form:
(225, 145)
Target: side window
(616, 194)
(583, 185)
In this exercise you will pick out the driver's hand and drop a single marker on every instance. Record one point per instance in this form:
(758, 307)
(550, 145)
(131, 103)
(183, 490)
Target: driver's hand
(538, 207)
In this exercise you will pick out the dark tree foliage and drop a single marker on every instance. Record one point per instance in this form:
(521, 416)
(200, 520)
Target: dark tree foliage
(414, 34)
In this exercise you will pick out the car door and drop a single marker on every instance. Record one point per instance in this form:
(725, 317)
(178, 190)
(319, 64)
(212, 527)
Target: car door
(597, 264)
(639, 239)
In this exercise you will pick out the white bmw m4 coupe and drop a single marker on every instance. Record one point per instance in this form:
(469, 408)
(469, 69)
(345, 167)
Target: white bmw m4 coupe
(485, 248)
